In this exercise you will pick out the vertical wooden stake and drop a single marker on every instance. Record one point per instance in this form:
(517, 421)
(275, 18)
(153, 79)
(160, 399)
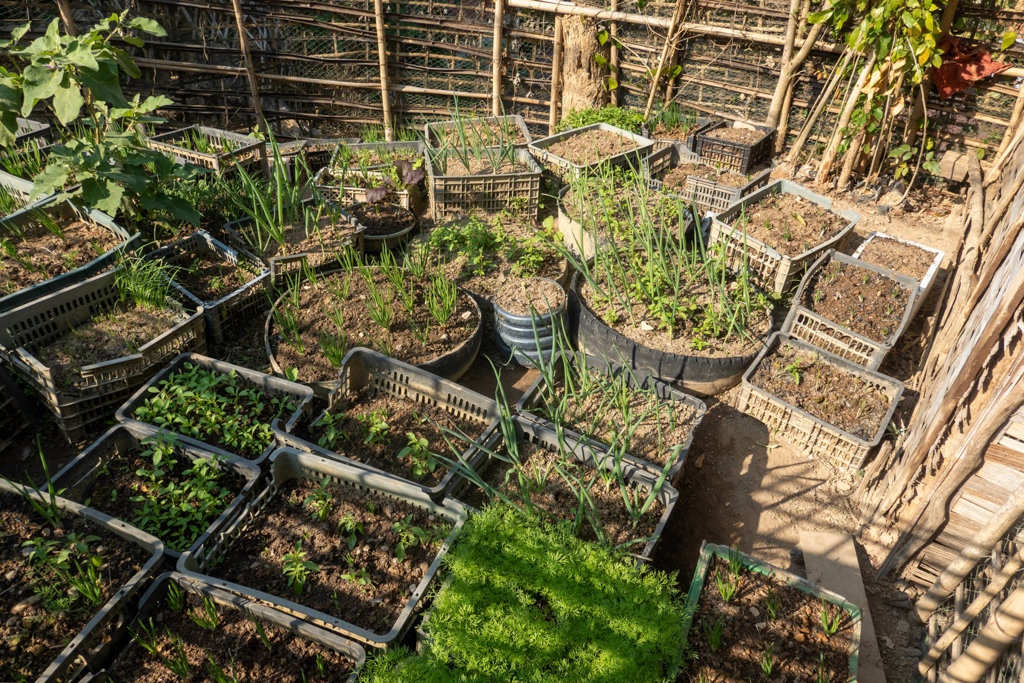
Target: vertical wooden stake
(1011, 129)
(243, 40)
(382, 53)
(614, 32)
(669, 40)
(499, 25)
(65, 15)
(556, 76)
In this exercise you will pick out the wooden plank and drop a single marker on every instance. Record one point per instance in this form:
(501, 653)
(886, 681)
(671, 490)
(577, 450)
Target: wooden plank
(1005, 454)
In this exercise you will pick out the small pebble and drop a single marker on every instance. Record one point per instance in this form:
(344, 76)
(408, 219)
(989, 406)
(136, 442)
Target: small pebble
(799, 637)
(25, 604)
(37, 650)
(466, 315)
(102, 550)
(13, 621)
(46, 532)
(424, 566)
(11, 575)
(412, 587)
(384, 548)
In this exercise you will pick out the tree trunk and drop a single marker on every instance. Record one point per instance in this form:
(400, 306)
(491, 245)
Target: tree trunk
(823, 101)
(853, 153)
(790, 63)
(829, 156)
(783, 126)
(582, 78)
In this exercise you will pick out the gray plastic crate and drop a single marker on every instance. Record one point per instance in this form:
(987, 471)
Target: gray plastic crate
(817, 438)
(564, 170)
(91, 647)
(414, 145)
(331, 188)
(924, 287)
(710, 195)
(287, 464)
(320, 151)
(363, 368)
(67, 211)
(805, 325)
(29, 129)
(689, 142)
(738, 156)
(532, 401)
(768, 268)
(255, 611)
(267, 383)
(233, 309)
(248, 150)
(76, 480)
(450, 194)
(28, 328)
(433, 131)
(667, 157)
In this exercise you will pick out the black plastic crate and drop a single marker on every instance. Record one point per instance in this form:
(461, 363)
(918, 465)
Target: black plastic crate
(738, 156)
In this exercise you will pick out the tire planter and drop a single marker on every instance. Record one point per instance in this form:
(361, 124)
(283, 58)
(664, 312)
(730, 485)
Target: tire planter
(375, 244)
(287, 464)
(692, 374)
(529, 339)
(228, 602)
(407, 383)
(924, 286)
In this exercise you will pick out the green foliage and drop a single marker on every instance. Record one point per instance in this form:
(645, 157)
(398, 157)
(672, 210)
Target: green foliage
(625, 119)
(422, 459)
(480, 241)
(330, 427)
(297, 568)
(319, 501)
(375, 426)
(146, 282)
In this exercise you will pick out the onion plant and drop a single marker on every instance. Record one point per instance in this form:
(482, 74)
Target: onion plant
(472, 148)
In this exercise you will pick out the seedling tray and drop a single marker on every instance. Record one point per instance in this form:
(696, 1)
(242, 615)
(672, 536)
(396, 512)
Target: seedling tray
(26, 329)
(710, 195)
(564, 170)
(228, 602)
(819, 439)
(738, 156)
(267, 383)
(805, 325)
(248, 150)
(433, 132)
(232, 309)
(78, 476)
(458, 194)
(564, 362)
(769, 269)
(91, 647)
(287, 464)
(925, 284)
(64, 211)
(709, 551)
(363, 368)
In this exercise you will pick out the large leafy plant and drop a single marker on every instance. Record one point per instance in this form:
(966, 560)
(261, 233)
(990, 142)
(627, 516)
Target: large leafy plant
(103, 151)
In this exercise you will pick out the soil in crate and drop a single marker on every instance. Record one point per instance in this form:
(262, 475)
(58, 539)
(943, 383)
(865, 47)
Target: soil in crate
(210, 278)
(235, 645)
(106, 337)
(559, 498)
(486, 133)
(829, 393)
(367, 585)
(456, 168)
(41, 255)
(743, 135)
(321, 244)
(788, 223)
(314, 318)
(521, 297)
(383, 218)
(677, 133)
(858, 299)
(354, 417)
(591, 147)
(676, 178)
(41, 612)
(799, 642)
(905, 259)
(366, 157)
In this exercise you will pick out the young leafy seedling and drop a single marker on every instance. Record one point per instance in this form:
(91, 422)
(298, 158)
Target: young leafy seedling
(831, 626)
(726, 587)
(767, 660)
(208, 618)
(772, 604)
(422, 459)
(297, 568)
(319, 501)
(349, 526)
(375, 427)
(713, 632)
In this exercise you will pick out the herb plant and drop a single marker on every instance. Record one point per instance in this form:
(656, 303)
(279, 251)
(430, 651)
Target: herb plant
(297, 568)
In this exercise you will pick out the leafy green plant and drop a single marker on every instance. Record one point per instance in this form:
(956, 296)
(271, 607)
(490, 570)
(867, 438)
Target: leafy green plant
(621, 118)
(830, 625)
(713, 632)
(175, 598)
(146, 282)
(360, 577)
(262, 633)
(409, 536)
(217, 673)
(297, 568)
(330, 427)
(417, 451)
(375, 426)
(319, 501)
(48, 508)
(350, 526)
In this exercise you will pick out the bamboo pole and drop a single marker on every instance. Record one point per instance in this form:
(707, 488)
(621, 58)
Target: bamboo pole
(382, 56)
(499, 24)
(669, 40)
(556, 76)
(254, 89)
(1011, 128)
(614, 32)
(823, 100)
(1005, 626)
(65, 15)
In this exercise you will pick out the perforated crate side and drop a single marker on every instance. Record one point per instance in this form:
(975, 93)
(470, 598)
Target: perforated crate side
(710, 195)
(249, 151)
(735, 155)
(29, 129)
(815, 330)
(453, 194)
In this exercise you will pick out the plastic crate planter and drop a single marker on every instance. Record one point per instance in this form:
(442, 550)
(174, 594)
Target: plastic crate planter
(320, 151)
(29, 130)
(229, 605)
(332, 188)
(564, 170)
(530, 408)
(667, 157)
(702, 581)
(769, 269)
(77, 479)
(817, 438)
(364, 369)
(383, 150)
(32, 326)
(815, 329)
(232, 309)
(710, 195)
(65, 211)
(246, 150)
(90, 648)
(738, 156)
(435, 132)
(287, 464)
(689, 141)
(275, 387)
(451, 194)
(924, 285)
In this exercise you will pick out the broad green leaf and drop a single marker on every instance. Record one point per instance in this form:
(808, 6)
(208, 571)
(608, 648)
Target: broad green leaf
(818, 17)
(40, 83)
(612, 84)
(104, 195)
(1009, 38)
(52, 177)
(103, 85)
(10, 98)
(132, 40)
(82, 56)
(602, 38)
(19, 31)
(601, 61)
(51, 39)
(68, 101)
(127, 63)
(981, 153)
(676, 71)
(8, 128)
(154, 102)
(150, 26)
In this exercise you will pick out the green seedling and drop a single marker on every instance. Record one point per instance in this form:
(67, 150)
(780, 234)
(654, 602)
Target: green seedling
(319, 501)
(713, 632)
(217, 673)
(830, 626)
(350, 526)
(297, 568)
(422, 459)
(175, 598)
(794, 370)
(262, 633)
(208, 617)
(409, 536)
(375, 426)
(772, 604)
(360, 577)
(726, 587)
(330, 427)
(767, 660)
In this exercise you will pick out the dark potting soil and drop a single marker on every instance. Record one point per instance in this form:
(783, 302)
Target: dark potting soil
(744, 135)
(314, 318)
(591, 147)
(235, 645)
(789, 223)
(382, 218)
(455, 167)
(899, 257)
(42, 255)
(559, 499)
(677, 133)
(676, 178)
(210, 279)
(829, 393)
(402, 418)
(861, 300)
(479, 132)
(40, 617)
(521, 297)
(322, 245)
(256, 559)
(106, 337)
(796, 636)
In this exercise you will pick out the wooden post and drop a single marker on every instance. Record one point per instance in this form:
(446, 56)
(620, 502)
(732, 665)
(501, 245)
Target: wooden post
(65, 15)
(382, 54)
(556, 76)
(669, 40)
(243, 40)
(499, 25)
(1018, 107)
(614, 56)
